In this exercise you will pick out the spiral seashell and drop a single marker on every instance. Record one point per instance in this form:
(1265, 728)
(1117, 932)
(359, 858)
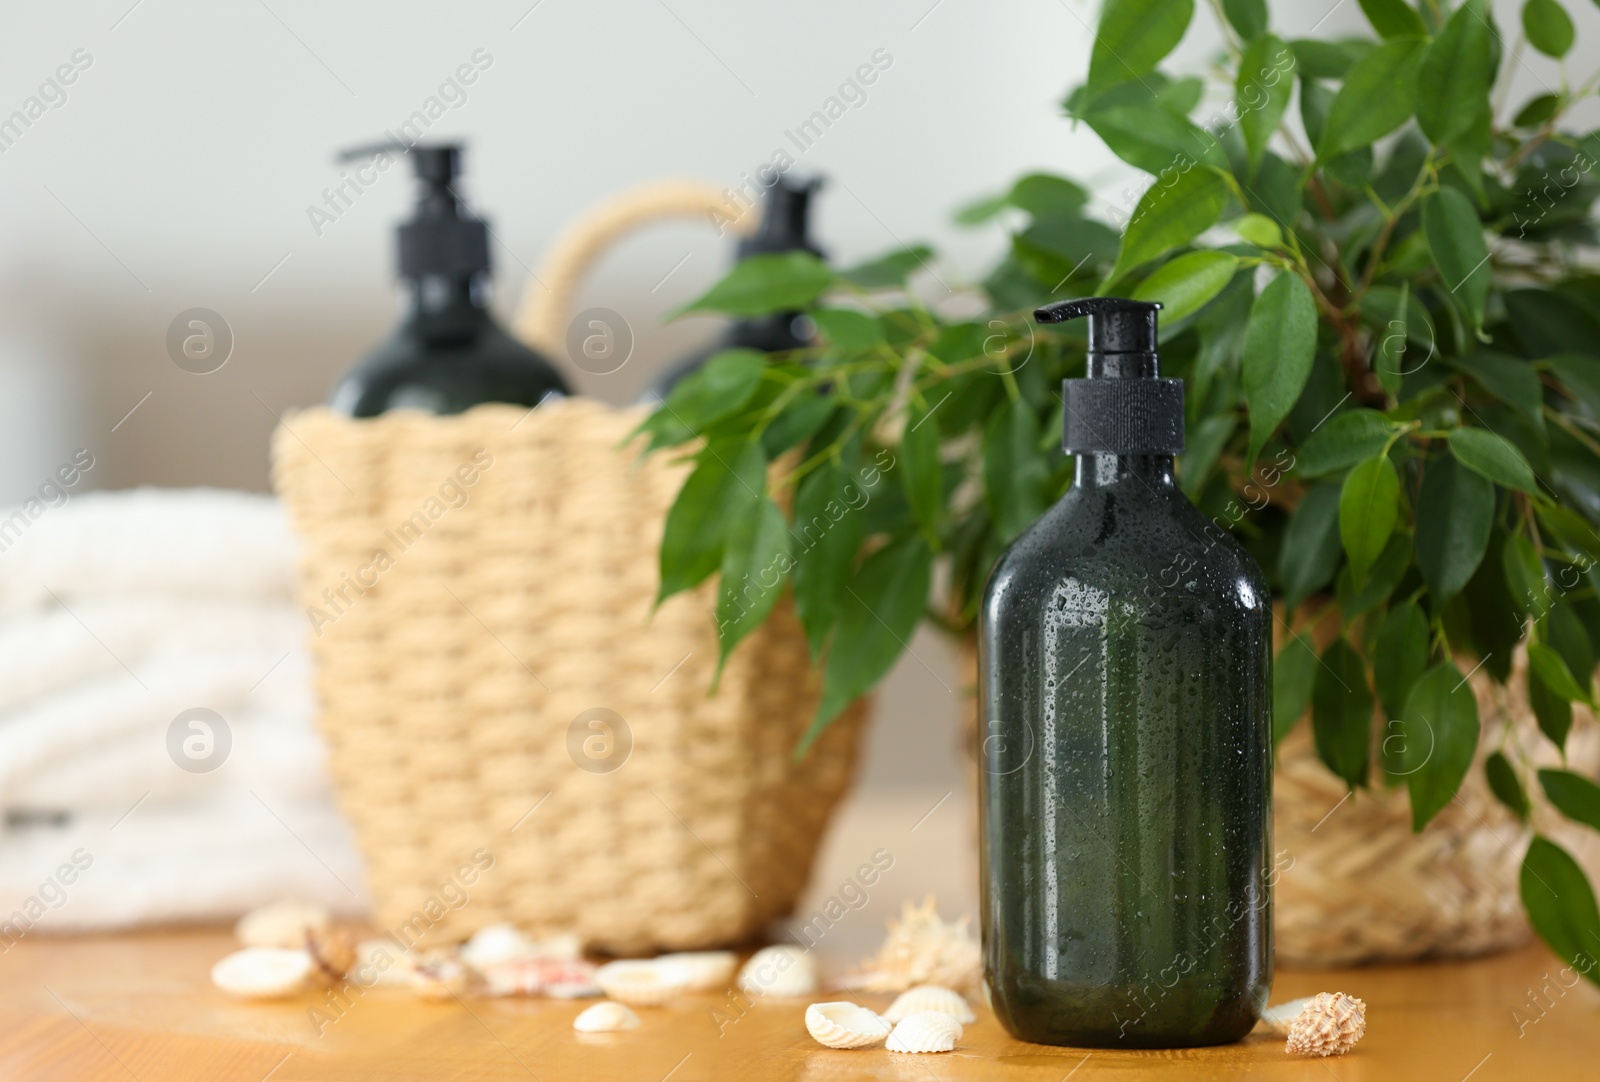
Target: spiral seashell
(779, 971)
(643, 984)
(931, 997)
(925, 1031)
(1330, 1025)
(264, 972)
(281, 924)
(706, 970)
(605, 1017)
(845, 1025)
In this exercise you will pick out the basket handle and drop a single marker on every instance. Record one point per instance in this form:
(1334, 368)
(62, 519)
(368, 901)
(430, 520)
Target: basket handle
(546, 306)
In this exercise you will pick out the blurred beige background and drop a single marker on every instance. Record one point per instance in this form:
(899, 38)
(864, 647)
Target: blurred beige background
(176, 172)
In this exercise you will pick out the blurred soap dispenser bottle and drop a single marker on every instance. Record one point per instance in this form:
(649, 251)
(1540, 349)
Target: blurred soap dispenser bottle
(1125, 694)
(448, 353)
(785, 227)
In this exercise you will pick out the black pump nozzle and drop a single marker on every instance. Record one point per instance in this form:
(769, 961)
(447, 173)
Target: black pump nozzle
(1124, 407)
(443, 239)
(785, 219)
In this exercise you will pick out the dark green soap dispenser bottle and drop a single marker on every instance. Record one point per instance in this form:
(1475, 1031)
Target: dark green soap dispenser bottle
(1125, 695)
(448, 354)
(785, 227)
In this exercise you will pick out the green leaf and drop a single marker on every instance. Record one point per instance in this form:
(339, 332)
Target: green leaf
(755, 569)
(829, 507)
(1553, 713)
(1574, 796)
(1013, 469)
(1280, 343)
(1376, 98)
(1552, 671)
(1293, 675)
(888, 271)
(1184, 285)
(1310, 553)
(1453, 79)
(1456, 237)
(1392, 565)
(1524, 572)
(848, 329)
(719, 388)
(1169, 215)
(1561, 905)
(980, 210)
(1262, 91)
(800, 419)
(728, 479)
(878, 612)
(1045, 195)
(1343, 441)
(1205, 447)
(1247, 17)
(1538, 110)
(1400, 655)
(1154, 139)
(1504, 785)
(1259, 230)
(1513, 381)
(1455, 512)
(1341, 713)
(1438, 737)
(1393, 18)
(779, 282)
(1494, 457)
(919, 468)
(1369, 506)
(1318, 59)
(1564, 633)
(1548, 27)
(1581, 377)
(1133, 37)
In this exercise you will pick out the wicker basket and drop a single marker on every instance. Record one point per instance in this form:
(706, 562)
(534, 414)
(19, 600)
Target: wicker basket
(1357, 885)
(512, 732)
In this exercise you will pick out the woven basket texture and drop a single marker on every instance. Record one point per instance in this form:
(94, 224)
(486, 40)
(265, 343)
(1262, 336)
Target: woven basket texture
(451, 679)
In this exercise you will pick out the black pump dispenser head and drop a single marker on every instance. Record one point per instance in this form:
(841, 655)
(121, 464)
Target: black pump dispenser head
(443, 239)
(1124, 407)
(785, 219)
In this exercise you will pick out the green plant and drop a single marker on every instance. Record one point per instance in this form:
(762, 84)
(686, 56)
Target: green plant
(1392, 357)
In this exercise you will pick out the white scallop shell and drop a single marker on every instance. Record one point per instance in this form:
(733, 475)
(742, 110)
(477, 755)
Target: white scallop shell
(643, 984)
(706, 970)
(931, 997)
(845, 1025)
(263, 972)
(606, 1017)
(925, 1031)
(496, 943)
(779, 971)
(281, 924)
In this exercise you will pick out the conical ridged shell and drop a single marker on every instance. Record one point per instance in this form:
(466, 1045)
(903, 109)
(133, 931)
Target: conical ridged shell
(931, 997)
(845, 1025)
(779, 971)
(925, 1031)
(606, 1017)
(1330, 1025)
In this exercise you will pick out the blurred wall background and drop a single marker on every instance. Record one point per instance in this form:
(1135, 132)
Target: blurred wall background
(177, 169)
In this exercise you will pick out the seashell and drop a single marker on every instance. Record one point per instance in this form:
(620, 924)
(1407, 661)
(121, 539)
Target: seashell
(779, 971)
(1330, 1025)
(707, 970)
(555, 977)
(496, 943)
(925, 1031)
(1278, 1017)
(642, 983)
(605, 1017)
(333, 954)
(264, 972)
(845, 1025)
(380, 963)
(281, 924)
(931, 997)
(922, 949)
(439, 975)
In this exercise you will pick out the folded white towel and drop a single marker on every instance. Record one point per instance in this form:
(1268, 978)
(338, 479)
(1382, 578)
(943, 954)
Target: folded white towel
(198, 543)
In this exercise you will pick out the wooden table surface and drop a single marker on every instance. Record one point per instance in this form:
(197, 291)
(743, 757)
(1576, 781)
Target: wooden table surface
(141, 1006)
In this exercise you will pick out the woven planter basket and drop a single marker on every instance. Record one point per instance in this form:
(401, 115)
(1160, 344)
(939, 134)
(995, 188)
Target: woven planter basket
(1357, 885)
(449, 688)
